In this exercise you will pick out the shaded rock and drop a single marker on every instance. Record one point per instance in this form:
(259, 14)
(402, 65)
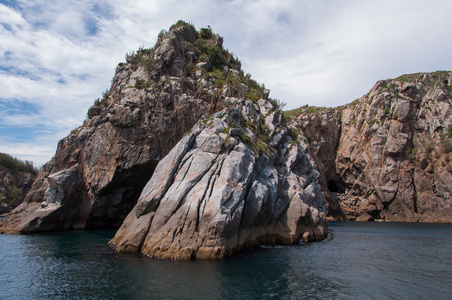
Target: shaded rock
(203, 65)
(392, 144)
(5, 208)
(235, 132)
(364, 217)
(320, 130)
(215, 194)
(367, 208)
(14, 185)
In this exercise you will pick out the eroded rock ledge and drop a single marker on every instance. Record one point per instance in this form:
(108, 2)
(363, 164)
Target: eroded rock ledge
(239, 179)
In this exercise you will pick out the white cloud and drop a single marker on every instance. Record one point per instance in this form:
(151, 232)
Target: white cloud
(59, 56)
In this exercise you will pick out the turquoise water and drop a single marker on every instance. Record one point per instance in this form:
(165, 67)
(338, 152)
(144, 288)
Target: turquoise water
(357, 261)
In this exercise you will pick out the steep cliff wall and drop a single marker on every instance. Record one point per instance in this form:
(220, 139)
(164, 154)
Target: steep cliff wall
(387, 155)
(157, 95)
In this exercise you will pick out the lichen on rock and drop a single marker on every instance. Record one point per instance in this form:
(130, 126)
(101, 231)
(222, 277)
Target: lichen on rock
(388, 152)
(215, 194)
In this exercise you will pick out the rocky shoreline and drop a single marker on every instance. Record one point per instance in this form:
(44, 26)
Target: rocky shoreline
(185, 93)
(190, 158)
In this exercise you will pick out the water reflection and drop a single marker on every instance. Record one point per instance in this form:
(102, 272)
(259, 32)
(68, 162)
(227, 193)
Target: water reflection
(254, 275)
(357, 261)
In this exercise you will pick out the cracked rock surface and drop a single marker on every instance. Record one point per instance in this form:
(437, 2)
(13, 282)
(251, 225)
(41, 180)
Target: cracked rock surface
(387, 155)
(217, 193)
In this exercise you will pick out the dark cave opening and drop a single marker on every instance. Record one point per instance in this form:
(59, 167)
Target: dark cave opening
(334, 187)
(122, 194)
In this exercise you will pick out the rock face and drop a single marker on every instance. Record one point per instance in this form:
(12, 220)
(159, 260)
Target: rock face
(387, 155)
(237, 180)
(100, 169)
(321, 132)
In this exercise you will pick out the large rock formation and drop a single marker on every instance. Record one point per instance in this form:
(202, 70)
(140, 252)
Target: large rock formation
(387, 155)
(240, 178)
(158, 94)
(221, 189)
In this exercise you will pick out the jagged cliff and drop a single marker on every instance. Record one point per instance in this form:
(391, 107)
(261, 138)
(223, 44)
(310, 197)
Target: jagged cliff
(156, 96)
(387, 154)
(237, 179)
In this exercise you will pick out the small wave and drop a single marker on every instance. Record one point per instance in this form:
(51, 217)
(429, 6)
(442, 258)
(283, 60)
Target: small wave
(330, 236)
(272, 247)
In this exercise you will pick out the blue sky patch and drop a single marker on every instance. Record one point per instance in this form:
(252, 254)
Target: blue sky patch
(6, 69)
(10, 3)
(21, 134)
(7, 27)
(103, 9)
(82, 77)
(91, 26)
(17, 107)
(17, 72)
(98, 10)
(18, 133)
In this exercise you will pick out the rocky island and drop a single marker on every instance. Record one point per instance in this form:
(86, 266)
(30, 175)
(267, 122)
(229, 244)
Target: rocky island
(236, 176)
(190, 158)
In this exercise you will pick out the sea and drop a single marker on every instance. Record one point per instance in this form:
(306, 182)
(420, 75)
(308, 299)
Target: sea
(358, 260)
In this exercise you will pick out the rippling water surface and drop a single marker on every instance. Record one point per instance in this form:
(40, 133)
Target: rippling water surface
(357, 261)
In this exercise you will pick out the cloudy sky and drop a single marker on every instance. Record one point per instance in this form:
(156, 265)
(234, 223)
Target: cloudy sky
(58, 56)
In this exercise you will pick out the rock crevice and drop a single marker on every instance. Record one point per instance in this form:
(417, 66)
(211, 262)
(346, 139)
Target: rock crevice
(226, 194)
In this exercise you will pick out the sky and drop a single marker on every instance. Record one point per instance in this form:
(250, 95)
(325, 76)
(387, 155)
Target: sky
(58, 56)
